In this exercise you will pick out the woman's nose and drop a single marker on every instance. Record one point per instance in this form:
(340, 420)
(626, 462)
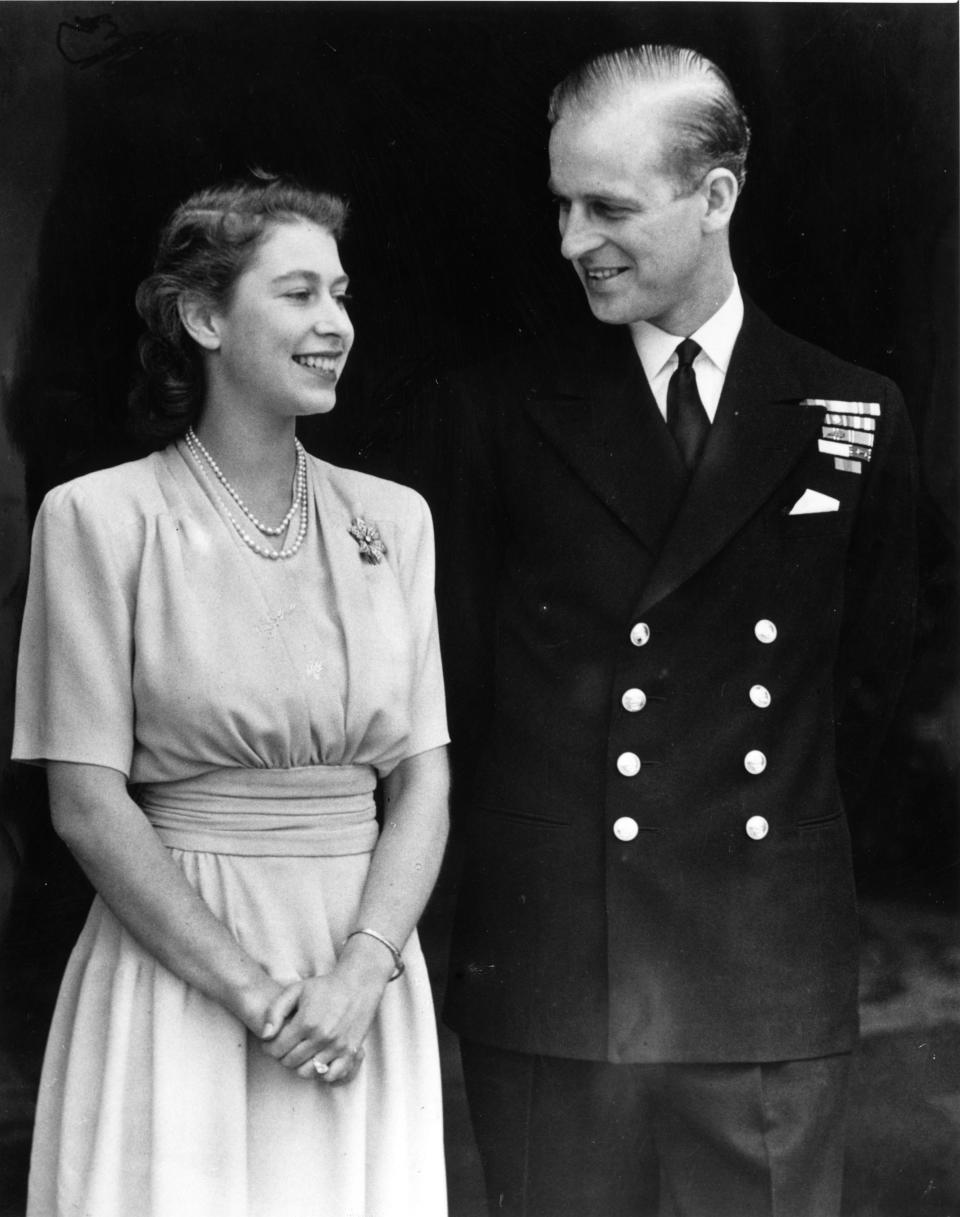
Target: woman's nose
(332, 318)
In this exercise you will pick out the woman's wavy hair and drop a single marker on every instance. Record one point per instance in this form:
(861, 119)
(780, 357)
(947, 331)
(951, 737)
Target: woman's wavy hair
(204, 248)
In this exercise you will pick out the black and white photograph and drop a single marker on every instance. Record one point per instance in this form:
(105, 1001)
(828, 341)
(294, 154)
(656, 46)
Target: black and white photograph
(479, 617)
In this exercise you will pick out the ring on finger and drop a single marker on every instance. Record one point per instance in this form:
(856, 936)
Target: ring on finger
(320, 1066)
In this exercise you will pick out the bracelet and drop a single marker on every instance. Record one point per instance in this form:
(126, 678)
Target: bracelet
(399, 967)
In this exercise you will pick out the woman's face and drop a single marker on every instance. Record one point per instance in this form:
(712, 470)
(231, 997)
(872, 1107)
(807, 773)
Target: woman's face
(281, 343)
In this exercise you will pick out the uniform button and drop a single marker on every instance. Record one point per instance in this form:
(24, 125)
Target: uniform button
(757, 828)
(633, 700)
(760, 696)
(765, 630)
(625, 829)
(755, 761)
(640, 634)
(629, 764)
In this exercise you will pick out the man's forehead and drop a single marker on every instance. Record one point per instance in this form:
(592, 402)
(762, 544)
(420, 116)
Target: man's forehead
(638, 112)
(633, 98)
(609, 145)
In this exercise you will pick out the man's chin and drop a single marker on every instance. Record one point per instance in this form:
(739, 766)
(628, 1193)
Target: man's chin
(611, 310)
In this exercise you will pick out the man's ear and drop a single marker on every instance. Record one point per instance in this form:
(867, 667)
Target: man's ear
(200, 321)
(720, 191)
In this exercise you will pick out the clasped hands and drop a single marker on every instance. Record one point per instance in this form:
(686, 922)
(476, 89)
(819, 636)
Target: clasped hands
(323, 1020)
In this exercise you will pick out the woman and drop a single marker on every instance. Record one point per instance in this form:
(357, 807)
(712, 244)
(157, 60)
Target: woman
(225, 645)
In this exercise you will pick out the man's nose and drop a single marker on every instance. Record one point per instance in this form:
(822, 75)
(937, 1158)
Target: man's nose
(578, 236)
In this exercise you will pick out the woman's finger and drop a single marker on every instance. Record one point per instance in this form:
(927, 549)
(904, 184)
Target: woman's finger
(280, 1009)
(343, 1068)
(302, 1055)
(316, 1068)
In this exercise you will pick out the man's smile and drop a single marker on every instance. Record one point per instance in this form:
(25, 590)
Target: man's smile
(601, 274)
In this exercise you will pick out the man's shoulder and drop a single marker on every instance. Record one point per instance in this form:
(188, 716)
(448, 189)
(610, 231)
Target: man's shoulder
(592, 360)
(565, 363)
(821, 372)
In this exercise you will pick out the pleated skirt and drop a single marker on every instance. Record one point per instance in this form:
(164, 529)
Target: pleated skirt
(156, 1102)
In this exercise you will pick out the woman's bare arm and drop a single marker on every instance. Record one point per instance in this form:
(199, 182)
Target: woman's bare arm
(132, 871)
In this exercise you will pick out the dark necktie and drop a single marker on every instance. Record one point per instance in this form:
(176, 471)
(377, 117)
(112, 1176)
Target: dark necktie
(686, 417)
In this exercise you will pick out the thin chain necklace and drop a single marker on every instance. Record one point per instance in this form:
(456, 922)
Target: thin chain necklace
(299, 501)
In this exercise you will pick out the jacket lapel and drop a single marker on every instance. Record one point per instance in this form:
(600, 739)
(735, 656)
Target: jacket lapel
(599, 413)
(759, 434)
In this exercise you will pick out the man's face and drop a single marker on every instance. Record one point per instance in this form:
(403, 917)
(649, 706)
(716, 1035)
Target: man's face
(637, 248)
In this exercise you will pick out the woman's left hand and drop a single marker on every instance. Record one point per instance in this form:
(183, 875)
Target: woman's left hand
(325, 1019)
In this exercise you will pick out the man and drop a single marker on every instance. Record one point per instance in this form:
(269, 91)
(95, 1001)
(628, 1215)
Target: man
(699, 532)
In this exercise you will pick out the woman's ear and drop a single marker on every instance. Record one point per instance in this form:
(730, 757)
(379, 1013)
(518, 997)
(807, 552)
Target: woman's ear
(200, 321)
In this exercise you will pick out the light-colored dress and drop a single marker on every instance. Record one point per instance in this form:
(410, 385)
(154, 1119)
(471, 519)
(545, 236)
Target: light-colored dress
(252, 705)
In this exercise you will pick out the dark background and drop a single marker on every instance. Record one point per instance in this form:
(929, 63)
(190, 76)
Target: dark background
(431, 119)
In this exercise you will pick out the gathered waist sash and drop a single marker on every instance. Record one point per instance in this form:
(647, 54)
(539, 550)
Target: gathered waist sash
(306, 812)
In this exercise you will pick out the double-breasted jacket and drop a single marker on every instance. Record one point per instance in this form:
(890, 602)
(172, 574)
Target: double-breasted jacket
(671, 693)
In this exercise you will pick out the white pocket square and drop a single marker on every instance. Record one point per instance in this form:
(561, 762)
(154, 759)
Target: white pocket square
(811, 501)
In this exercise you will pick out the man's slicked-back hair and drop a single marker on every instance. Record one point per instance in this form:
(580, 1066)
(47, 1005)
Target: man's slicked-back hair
(709, 127)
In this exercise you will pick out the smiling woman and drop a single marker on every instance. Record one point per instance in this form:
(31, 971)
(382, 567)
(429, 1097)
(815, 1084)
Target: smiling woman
(280, 342)
(227, 1040)
(218, 246)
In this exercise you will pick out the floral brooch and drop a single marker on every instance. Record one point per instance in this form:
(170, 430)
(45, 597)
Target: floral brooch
(367, 536)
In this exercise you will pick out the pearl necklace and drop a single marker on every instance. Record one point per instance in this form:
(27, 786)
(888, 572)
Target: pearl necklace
(299, 500)
(267, 529)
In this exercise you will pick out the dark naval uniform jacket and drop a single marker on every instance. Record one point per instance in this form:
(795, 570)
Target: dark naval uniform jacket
(671, 694)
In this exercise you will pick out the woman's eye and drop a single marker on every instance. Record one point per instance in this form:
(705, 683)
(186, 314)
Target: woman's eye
(302, 294)
(343, 299)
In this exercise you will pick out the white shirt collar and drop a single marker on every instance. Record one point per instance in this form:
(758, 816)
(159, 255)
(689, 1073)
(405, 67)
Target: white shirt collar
(716, 337)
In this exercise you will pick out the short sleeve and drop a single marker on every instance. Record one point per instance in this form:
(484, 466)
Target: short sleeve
(74, 677)
(428, 713)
